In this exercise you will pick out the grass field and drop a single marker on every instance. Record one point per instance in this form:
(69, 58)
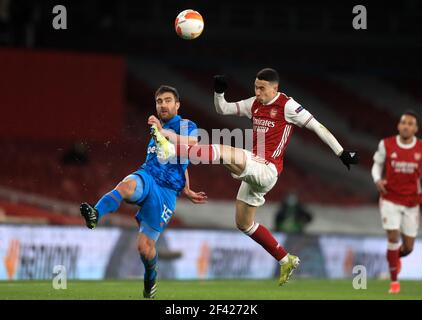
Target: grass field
(297, 289)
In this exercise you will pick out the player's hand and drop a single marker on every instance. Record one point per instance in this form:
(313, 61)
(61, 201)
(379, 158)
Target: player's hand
(220, 83)
(195, 197)
(349, 157)
(380, 184)
(154, 120)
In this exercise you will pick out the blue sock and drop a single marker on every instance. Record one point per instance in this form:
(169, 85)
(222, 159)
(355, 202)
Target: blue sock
(110, 202)
(150, 267)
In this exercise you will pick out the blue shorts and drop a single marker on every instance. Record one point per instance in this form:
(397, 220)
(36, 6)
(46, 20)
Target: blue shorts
(157, 205)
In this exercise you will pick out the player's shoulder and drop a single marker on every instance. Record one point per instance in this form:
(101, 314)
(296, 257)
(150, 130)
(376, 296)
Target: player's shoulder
(284, 98)
(419, 143)
(290, 104)
(390, 140)
(187, 121)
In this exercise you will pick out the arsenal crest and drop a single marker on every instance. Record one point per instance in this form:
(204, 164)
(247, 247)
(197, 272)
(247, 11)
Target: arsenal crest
(273, 113)
(417, 156)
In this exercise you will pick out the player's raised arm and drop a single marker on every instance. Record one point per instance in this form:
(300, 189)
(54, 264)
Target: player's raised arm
(346, 156)
(296, 114)
(240, 108)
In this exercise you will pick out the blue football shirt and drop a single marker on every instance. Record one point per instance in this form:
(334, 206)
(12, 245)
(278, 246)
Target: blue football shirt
(172, 173)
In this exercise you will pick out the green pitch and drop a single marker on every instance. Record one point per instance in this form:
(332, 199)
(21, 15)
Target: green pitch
(210, 290)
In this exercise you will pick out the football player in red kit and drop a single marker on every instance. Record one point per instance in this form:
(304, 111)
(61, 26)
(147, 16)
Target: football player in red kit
(400, 158)
(273, 116)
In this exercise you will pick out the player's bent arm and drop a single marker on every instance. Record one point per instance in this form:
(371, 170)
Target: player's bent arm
(296, 114)
(179, 139)
(187, 185)
(376, 171)
(379, 160)
(325, 135)
(195, 197)
(239, 108)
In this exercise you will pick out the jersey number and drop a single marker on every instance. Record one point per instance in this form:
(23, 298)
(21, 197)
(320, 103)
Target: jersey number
(166, 215)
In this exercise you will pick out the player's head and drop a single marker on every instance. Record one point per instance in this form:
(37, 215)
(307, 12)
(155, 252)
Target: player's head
(266, 85)
(408, 124)
(167, 102)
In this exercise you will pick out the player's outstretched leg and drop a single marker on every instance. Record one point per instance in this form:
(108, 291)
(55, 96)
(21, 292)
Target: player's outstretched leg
(130, 189)
(287, 268)
(165, 149)
(204, 153)
(108, 203)
(90, 214)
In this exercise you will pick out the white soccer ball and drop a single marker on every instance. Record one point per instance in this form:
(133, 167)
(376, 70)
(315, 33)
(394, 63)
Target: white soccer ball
(189, 24)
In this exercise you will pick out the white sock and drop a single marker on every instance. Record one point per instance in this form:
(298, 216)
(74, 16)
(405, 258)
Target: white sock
(284, 259)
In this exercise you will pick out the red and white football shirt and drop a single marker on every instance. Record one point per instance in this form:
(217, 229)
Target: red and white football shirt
(402, 170)
(273, 125)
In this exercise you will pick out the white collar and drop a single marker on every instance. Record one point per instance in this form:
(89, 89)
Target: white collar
(405, 146)
(272, 101)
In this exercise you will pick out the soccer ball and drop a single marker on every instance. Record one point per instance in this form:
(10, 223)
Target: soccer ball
(189, 24)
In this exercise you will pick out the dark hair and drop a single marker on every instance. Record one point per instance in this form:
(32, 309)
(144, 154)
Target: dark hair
(412, 113)
(268, 74)
(164, 88)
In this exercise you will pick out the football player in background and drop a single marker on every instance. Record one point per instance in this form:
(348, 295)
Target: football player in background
(154, 187)
(273, 116)
(397, 175)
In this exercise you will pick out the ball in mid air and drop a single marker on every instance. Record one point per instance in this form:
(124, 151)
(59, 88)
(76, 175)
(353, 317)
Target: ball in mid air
(189, 24)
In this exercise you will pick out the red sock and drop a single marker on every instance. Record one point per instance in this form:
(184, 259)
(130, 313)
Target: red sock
(264, 237)
(205, 153)
(393, 261)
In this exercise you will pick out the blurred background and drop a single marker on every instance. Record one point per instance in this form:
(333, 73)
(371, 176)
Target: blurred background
(74, 105)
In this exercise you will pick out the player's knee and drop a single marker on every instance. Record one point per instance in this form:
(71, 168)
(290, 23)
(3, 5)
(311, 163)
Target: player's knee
(143, 251)
(126, 188)
(393, 237)
(242, 226)
(146, 248)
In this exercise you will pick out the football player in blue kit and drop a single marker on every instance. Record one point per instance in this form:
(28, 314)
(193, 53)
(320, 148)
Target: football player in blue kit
(154, 187)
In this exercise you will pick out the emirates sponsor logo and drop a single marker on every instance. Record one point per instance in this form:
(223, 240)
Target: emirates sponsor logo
(404, 167)
(263, 122)
(262, 125)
